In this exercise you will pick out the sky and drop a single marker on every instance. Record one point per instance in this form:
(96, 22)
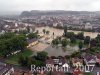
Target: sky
(17, 6)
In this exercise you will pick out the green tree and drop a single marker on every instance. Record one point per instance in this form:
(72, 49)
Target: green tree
(65, 31)
(87, 40)
(93, 43)
(23, 32)
(21, 60)
(39, 63)
(70, 34)
(64, 42)
(73, 40)
(80, 36)
(10, 44)
(55, 42)
(44, 31)
(98, 37)
(42, 55)
(32, 35)
(47, 32)
(81, 45)
(53, 35)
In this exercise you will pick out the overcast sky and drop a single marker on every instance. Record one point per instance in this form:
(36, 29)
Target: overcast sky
(16, 6)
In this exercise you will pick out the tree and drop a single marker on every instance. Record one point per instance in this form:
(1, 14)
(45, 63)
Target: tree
(32, 35)
(64, 42)
(39, 63)
(87, 40)
(53, 35)
(3, 48)
(6, 36)
(80, 36)
(23, 32)
(20, 41)
(44, 31)
(47, 32)
(42, 55)
(81, 45)
(98, 40)
(93, 42)
(21, 60)
(25, 61)
(73, 40)
(55, 41)
(65, 31)
(70, 34)
(75, 54)
(98, 37)
(10, 44)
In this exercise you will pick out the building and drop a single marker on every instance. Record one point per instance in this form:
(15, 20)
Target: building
(57, 61)
(89, 59)
(32, 42)
(88, 26)
(98, 58)
(6, 69)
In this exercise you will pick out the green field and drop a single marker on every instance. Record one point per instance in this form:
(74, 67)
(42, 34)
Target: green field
(14, 58)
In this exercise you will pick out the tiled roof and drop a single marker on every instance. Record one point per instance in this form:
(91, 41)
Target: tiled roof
(31, 40)
(98, 55)
(88, 57)
(4, 68)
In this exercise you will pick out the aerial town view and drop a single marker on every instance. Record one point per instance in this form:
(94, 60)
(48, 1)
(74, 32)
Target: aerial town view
(49, 37)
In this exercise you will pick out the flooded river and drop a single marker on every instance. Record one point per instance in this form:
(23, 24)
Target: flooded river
(59, 32)
(53, 51)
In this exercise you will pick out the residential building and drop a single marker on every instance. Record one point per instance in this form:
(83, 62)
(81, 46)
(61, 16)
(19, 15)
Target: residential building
(89, 59)
(98, 58)
(32, 42)
(88, 26)
(6, 69)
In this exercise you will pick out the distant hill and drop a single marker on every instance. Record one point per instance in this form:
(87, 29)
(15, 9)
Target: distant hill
(54, 12)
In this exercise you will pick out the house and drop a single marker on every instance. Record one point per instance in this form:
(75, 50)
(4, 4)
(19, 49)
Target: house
(49, 62)
(98, 58)
(89, 59)
(55, 24)
(60, 61)
(57, 61)
(6, 69)
(32, 42)
(88, 26)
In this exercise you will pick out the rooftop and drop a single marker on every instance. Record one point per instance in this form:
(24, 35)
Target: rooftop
(4, 68)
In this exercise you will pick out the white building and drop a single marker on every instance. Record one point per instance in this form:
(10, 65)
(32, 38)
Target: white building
(88, 26)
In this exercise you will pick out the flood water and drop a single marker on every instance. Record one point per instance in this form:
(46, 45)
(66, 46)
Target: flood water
(59, 32)
(54, 51)
(59, 51)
